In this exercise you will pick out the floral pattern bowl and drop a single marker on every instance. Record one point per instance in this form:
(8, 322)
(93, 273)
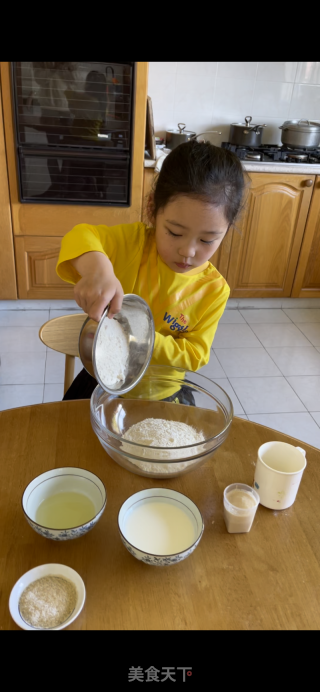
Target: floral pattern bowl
(48, 570)
(67, 479)
(160, 526)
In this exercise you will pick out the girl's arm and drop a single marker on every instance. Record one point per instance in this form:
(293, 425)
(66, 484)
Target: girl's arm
(99, 261)
(98, 285)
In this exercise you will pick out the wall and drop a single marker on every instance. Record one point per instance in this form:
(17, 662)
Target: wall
(212, 95)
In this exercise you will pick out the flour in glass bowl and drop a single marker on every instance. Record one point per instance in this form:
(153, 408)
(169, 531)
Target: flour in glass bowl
(157, 432)
(112, 353)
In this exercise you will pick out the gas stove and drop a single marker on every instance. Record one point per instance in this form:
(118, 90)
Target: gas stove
(271, 152)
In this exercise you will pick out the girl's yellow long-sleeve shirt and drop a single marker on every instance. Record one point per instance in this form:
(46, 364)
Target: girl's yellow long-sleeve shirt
(186, 307)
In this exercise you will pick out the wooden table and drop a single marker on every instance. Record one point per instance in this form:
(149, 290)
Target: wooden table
(266, 579)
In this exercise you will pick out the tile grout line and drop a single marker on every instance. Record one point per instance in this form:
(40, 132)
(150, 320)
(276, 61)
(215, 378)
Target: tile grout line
(277, 323)
(284, 377)
(296, 393)
(212, 349)
(300, 330)
(295, 77)
(304, 407)
(236, 395)
(274, 413)
(278, 366)
(318, 424)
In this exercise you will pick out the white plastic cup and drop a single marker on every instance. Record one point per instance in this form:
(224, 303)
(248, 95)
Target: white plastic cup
(239, 519)
(278, 473)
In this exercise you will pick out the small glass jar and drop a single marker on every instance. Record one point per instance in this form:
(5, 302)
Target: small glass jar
(240, 503)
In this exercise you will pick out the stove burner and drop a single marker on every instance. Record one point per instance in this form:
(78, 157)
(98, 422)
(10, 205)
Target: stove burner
(297, 157)
(253, 156)
(274, 152)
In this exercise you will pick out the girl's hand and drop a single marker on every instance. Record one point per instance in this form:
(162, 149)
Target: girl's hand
(98, 285)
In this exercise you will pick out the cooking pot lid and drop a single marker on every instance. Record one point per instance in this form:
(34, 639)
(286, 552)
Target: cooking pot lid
(182, 132)
(301, 126)
(248, 127)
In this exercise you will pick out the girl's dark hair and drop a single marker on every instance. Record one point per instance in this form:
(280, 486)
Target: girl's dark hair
(203, 171)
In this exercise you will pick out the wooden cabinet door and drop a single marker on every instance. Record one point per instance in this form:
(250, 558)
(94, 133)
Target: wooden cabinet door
(221, 257)
(307, 278)
(266, 245)
(36, 259)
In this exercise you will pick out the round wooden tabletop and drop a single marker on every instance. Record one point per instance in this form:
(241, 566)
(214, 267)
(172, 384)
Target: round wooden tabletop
(268, 578)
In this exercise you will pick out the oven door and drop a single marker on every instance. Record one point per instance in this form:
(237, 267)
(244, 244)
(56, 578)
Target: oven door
(73, 177)
(74, 104)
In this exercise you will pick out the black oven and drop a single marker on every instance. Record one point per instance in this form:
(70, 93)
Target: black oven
(74, 131)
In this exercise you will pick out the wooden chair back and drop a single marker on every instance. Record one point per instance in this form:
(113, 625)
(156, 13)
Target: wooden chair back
(62, 334)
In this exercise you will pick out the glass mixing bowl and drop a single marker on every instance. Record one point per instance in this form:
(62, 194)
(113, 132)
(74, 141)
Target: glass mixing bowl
(168, 393)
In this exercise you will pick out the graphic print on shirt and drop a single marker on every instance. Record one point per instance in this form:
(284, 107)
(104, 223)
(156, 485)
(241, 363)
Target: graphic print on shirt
(174, 324)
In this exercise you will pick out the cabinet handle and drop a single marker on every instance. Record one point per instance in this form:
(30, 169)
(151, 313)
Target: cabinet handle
(308, 183)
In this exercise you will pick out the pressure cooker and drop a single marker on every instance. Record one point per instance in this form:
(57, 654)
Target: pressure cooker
(246, 134)
(181, 135)
(300, 134)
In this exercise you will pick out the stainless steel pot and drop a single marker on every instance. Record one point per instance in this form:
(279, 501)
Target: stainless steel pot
(246, 134)
(176, 137)
(300, 134)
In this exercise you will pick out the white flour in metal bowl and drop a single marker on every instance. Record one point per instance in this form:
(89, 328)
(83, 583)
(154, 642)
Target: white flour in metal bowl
(157, 432)
(112, 353)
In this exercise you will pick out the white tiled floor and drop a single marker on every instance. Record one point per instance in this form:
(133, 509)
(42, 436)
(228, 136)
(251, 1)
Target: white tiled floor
(266, 355)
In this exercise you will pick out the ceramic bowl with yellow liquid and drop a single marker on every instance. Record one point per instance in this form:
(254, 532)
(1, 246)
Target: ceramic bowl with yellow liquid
(64, 503)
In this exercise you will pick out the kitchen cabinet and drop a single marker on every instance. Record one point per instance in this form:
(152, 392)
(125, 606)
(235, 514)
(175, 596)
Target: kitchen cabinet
(266, 244)
(274, 249)
(36, 260)
(307, 278)
(37, 229)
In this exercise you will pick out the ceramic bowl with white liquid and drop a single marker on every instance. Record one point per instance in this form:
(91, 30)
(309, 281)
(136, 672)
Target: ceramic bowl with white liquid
(160, 526)
(64, 503)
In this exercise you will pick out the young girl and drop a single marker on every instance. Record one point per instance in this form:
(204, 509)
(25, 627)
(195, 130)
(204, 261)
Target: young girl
(197, 197)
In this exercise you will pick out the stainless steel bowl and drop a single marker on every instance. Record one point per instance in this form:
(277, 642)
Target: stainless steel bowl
(135, 317)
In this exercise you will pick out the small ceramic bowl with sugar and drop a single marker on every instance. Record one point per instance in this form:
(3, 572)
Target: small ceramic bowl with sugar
(39, 609)
(64, 503)
(160, 526)
(117, 352)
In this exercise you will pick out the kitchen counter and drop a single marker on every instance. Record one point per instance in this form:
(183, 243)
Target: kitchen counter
(267, 167)
(278, 167)
(149, 163)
